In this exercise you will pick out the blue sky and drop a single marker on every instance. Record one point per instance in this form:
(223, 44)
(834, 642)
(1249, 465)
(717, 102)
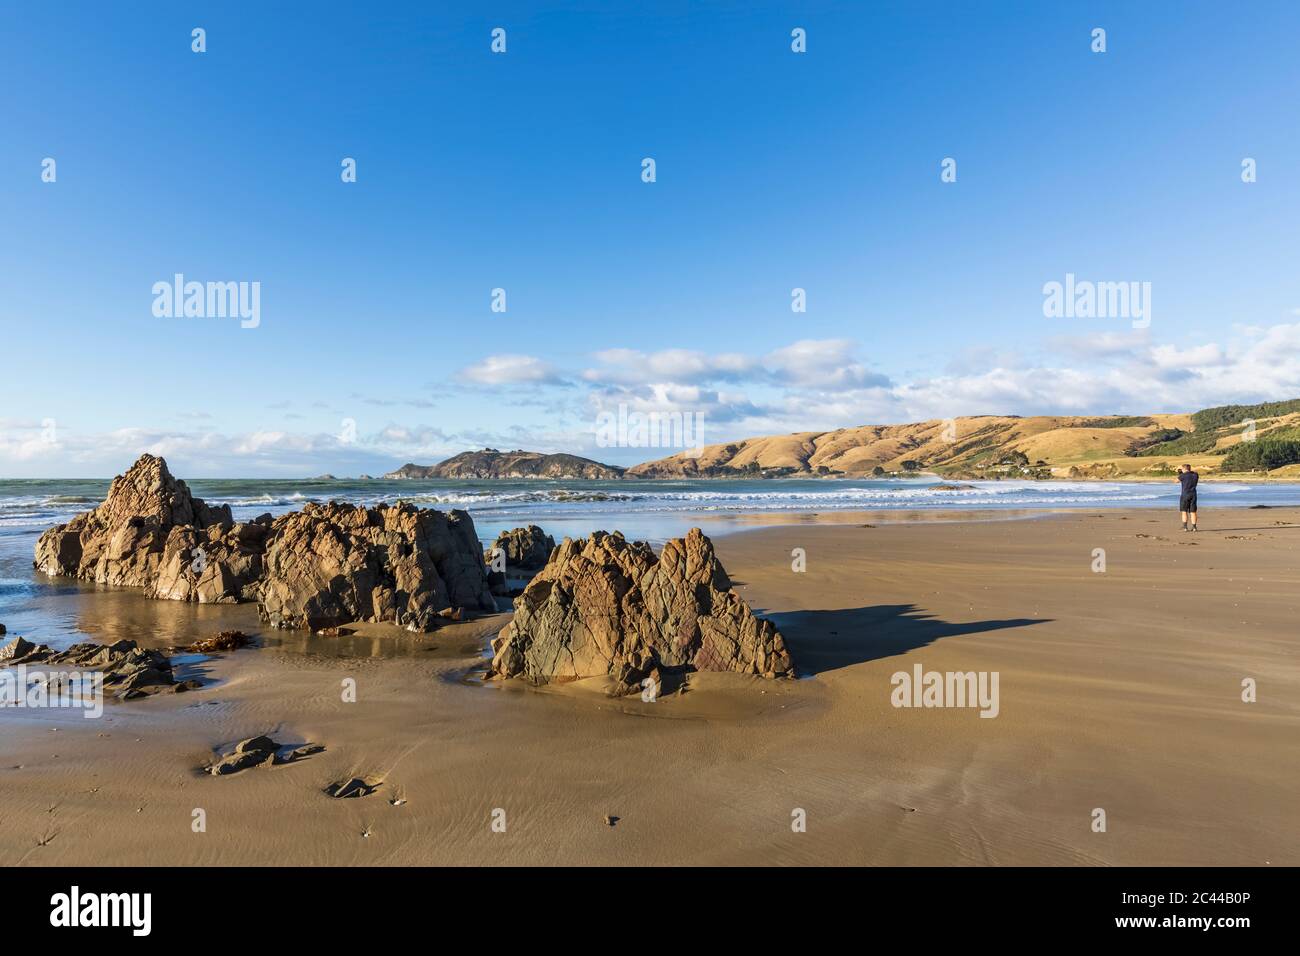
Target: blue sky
(522, 171)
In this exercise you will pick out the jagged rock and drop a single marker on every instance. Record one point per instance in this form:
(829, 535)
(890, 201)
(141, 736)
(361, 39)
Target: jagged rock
(335, 564)
(151, 533)
(2, 630)
(605, 606)
(16, 650)
(526, 549)
(321, 567)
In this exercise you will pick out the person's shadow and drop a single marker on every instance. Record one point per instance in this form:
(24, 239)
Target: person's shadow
(828, 640)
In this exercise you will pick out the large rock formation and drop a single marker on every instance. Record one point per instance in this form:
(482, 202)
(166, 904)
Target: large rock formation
(334, 564)
(151, 533)
(606, 606)
(321, 567)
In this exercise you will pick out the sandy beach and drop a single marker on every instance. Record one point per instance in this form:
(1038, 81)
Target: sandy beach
(1119, 690)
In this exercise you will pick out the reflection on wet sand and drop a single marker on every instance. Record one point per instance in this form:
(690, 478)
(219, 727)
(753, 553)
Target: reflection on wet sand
(109, 615)
(466, 639)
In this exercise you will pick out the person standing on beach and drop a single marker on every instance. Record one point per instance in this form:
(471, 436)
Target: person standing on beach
(1187, 498)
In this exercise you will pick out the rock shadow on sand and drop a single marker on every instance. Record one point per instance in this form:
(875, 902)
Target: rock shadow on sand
(821, 641)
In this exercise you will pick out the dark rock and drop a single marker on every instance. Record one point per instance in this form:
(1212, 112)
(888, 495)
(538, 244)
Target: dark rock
(235, 762)
(526, 549)
(129, 670)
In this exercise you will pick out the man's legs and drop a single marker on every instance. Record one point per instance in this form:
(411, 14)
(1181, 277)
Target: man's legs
(1183, 515)
(1193, 514)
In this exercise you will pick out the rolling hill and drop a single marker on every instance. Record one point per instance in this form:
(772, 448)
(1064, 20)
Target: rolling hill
(990, 445)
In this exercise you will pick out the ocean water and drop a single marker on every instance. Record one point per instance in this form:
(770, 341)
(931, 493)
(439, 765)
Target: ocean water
(59, 611)
(662, 507)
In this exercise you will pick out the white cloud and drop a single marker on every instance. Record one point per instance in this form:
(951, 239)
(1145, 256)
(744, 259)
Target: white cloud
(806, 385)
(827, 363)
(1170, 356)
(1101, 345)
(630, 367)
(806, 362)
(510, 370)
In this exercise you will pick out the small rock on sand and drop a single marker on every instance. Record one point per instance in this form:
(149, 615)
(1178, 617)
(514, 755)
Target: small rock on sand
(259, 751)
(355, 787)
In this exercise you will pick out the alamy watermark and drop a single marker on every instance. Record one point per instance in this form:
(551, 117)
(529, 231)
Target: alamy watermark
(1084, 299)
(630, 429)
(45, 689)
(922, 688)
(179, 299)
(128, 910)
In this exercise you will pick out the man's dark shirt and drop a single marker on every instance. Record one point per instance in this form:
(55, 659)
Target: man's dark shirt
(1188, 480)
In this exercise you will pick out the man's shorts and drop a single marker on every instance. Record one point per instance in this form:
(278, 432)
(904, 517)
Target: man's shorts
(1187, 502)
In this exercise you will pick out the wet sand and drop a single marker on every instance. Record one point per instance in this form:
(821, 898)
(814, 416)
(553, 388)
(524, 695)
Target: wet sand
(1118, 690)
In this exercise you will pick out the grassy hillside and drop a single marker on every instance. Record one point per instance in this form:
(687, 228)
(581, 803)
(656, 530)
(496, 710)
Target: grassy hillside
(991, 446)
